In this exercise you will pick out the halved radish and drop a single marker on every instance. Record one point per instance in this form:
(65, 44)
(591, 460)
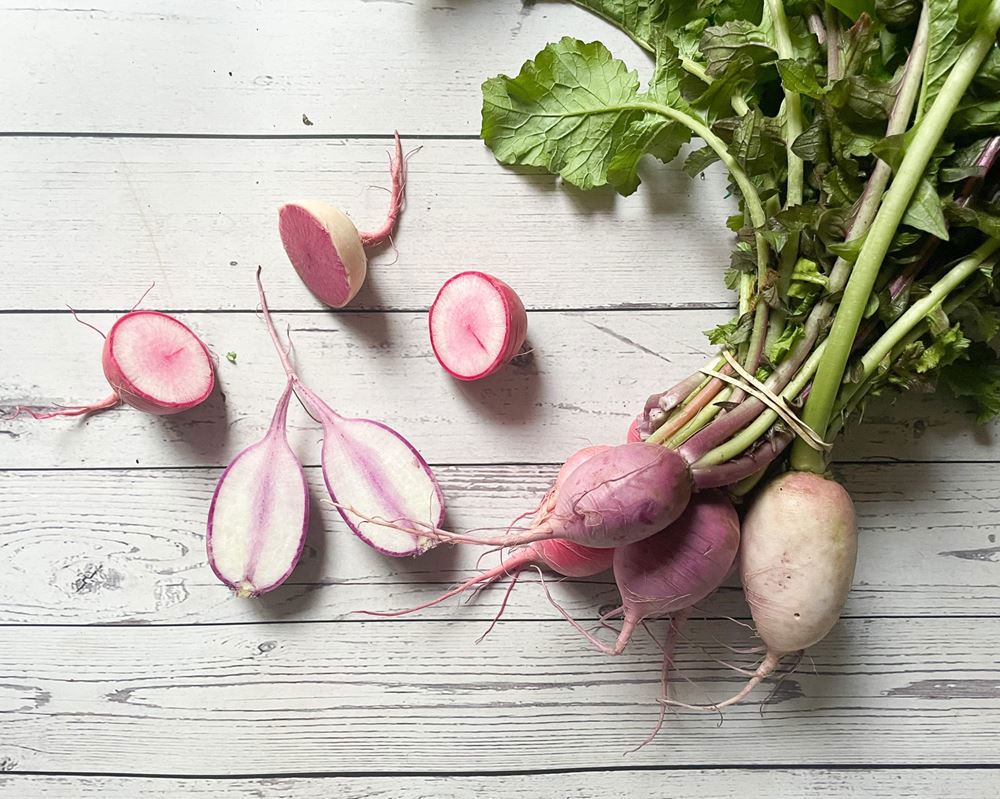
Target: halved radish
(326, 248)
(477, 324)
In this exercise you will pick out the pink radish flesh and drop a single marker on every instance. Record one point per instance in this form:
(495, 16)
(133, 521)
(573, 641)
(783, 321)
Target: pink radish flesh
(259, 515)
(623, 494)
(380, 484)
(154, 363)
(477, 324)
(326, 248)
(562, 557)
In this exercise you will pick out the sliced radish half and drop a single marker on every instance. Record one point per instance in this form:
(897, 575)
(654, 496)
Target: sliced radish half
(477, 324)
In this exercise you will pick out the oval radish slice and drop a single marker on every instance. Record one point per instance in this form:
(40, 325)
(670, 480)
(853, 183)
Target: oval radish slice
(259, 514)
(157, 364)
(477, 324)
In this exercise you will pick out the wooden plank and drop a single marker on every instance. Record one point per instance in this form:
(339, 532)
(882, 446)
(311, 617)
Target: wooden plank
(703, 783)
(128, 548)
(355, 67)
(418, 696)
(587, 375)
(198, 216)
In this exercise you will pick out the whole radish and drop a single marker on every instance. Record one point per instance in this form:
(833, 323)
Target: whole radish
(620, 495)
(259, 514)
(477, 324)
(796, 562)
(326, 248)
(562, 557)
(671, 571)
(153, 362)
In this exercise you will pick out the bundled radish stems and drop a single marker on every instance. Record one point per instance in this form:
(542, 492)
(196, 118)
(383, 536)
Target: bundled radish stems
(862, 153)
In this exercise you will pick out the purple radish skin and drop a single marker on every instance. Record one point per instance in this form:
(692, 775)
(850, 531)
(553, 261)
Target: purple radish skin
(326, 248)
(371, 472)
(477, 324)
(259, 515)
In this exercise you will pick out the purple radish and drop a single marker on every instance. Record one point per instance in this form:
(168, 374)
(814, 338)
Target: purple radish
(153, 362)
(371, 472)
(562, 557)
(623, 494)
(259, 515)
(477, 324)
(326, 248)
(669, 572)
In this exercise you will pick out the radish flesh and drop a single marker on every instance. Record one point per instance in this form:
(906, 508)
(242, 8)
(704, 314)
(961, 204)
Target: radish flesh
(259, 514)
(153, 362)
(562, 557)
(326, 248)
(477, 324)
(382, 487)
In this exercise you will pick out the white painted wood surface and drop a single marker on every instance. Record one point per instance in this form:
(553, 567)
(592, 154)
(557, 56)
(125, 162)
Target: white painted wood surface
(126, 670)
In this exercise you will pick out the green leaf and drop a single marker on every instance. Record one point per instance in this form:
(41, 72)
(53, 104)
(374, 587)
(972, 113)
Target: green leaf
(799, 75)
(783, 345)
(946, 348)
(231, 357)
(976, 116)
(732, 334)
(854, 8)
(757, 143)
(977, 379)
(699, 160)
(942, 51)
(963, 164)
(720, 44)
(636, 17)
(813, 144)
(965, 216)
(925, 211)
(566, 111)
(897, 14)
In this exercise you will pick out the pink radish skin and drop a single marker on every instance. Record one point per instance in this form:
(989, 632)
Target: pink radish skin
(562, 557)
(623, 494)
(477, 324)
(154, 363)
(371, 472)
(326, 248)
(796, 561)
(259, 515)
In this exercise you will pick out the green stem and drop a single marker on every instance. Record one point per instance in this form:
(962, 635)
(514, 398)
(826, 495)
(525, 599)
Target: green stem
(819, 406)
(705, 415)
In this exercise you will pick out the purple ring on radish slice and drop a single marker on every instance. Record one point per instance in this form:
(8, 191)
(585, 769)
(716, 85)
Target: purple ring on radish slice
(477, 324)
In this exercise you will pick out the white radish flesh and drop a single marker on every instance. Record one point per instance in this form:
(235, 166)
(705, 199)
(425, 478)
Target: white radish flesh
(477, 324)
(326, 248)
(380, 484)
(259, 515)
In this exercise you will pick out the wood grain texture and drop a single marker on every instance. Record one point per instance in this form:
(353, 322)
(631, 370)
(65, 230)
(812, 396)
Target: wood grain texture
(385, 695)
(198, 216)
(587, 375)
(230, 67)
(705, 784)
(128, 548)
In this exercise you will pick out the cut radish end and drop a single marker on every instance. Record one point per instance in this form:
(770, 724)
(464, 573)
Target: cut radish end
(157, 364)
(325, 248)
(477, 324)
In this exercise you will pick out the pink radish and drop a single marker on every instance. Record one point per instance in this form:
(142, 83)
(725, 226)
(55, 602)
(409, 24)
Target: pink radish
(371, 469)
(259, 515)
(153, 362)
(326, 248)
(477, 324)
(675, 569)
(623, 494)
(562, 557)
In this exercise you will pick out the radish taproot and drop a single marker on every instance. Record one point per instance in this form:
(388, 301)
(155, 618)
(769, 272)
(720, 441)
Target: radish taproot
(371, 469)
(563, 557)
(326, 248)
(622, 494)
(259, 515)
(153, 362)
(477, 324)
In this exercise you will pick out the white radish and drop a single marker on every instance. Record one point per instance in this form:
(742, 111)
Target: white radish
(259, 515)
(153, 362)
(326, 248)
(477, 324)
(370, 468)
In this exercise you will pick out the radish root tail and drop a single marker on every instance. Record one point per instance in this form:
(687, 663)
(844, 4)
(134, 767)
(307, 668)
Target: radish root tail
(397, 168)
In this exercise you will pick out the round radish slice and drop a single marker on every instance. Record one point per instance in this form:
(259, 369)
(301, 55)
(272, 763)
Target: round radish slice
(325, 248)
(477, 324)
(157, 364)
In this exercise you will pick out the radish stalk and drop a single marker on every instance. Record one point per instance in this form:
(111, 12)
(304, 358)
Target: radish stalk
(326, 248)
(371, 471)
(259, 516)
